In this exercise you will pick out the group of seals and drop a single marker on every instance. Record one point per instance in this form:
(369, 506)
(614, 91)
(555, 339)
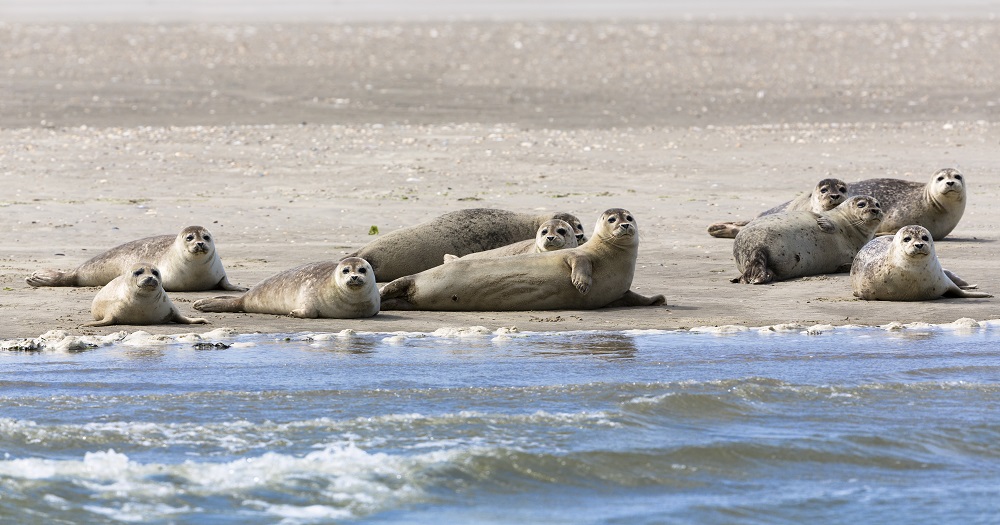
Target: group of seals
(904, 267)
(596, 274)
(937, 205)
(799, 243)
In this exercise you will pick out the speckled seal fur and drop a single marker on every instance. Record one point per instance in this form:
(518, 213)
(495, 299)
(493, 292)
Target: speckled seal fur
(799, 243)
(136, 297)
(826, 195)
(904, 267)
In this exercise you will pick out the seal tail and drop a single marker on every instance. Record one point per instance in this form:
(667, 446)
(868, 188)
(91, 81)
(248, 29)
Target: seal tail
(52, 278)
(756, 271)
(225, 303)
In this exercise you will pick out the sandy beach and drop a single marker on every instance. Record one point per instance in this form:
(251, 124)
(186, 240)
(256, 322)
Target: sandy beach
(289, 141)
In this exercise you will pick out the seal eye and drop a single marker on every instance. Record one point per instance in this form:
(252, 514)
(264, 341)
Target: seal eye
(362, 270)
(138, 272)
(824, 190)
(628, 218)
(561, 231)
(345, 271)
(862, 204)
(156, 273)
(958, 177)
(941, 178)
(612, 220)
(190, 237)
(545, 231)
(907, 239)
(925, 238)
(842, 189)
(206, 238)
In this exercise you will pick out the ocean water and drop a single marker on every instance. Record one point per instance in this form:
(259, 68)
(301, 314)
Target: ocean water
(785, 424)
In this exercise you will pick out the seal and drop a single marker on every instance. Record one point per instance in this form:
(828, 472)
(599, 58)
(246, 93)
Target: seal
(554, 234)
(596, 274)
(825, 196)
(136, 297)
(416, 248)
(188, 262)
(335, 290)
(937, 205)
(904, 267)
(798, 243)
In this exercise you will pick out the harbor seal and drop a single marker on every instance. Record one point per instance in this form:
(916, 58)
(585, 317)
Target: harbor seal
(825, 196)
(416, 248)
(596, 274)
(188, 262)
(904, 267)
(136, 297)
(335, 290)
(937, 205)
(554, 234)
(799, 243)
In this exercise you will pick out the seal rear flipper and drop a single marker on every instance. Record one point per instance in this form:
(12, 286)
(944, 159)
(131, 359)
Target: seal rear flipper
(51, 278)
(224, 284)
(757, 271)
(726, 230)
(224, 303)
(633, 299)
(961, 283)
(958, 292)
(101, 322)
(178, 318)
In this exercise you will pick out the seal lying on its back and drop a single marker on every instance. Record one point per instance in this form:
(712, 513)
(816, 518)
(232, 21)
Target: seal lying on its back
(596, 274)
(344, 290)
(904, 267)
(799, 243)
(827, 195)
(937, 205)
(555, 234)
(136, 297)
(414, 249)
(188, 262)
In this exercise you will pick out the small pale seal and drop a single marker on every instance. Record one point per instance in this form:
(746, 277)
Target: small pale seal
(416, 248)
(596, 274)
(799, 243)
(333, 290)
(937, 205)
(904, 267)
(825, 196)
(188, 262)
(136, 297)
(554, 234)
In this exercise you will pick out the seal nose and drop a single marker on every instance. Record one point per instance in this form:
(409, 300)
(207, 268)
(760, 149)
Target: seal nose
(918, 245)
(550, 238)
(950, 183)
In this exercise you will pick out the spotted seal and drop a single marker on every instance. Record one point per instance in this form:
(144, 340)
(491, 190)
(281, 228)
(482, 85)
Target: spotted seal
(555, 234)
(136, 297)
(826, 195)
(937, 205)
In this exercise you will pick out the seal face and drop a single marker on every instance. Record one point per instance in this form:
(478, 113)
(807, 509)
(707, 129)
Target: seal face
(904, 267)
(799, 243)
(937, 205)
(188, 262)
(136, 297)
(327, 289)
(553, 234)
(416, 248)
(596, 274)
(825, 196)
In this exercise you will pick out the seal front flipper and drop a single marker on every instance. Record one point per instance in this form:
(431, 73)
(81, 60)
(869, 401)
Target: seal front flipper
(726, 230)
(581, 272)
(825, 224)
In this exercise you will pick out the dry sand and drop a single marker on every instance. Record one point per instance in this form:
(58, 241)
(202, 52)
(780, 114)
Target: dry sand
(289, 141)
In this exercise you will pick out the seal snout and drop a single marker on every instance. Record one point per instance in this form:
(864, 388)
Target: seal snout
(356, 280)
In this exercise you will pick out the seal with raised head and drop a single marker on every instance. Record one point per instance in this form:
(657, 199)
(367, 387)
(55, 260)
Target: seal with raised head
(555, 234)
(825, 196)
(188, 262)
(904, 267)
(596, 274)
(800, 243)
(416, 248)
(937, 205)
(334, 290)
(136, 297)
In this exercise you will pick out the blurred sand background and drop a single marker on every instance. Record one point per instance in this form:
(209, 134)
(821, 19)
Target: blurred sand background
(290, 129)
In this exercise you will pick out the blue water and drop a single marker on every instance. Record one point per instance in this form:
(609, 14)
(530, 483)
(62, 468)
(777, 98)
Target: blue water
(845, 426)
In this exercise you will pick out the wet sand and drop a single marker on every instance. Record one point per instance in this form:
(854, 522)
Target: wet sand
(289, 141)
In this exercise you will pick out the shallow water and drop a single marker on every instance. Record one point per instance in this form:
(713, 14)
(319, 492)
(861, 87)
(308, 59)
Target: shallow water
(843, 426)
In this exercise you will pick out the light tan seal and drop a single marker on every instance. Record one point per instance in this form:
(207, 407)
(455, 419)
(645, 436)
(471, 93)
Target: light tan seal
(937, 205)
(136, 297)
(904, 267)
(554, 234)
(188, 262)
(334, 290)
(799, 243)
(596, 274)
(416, 248)
(825, 196)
